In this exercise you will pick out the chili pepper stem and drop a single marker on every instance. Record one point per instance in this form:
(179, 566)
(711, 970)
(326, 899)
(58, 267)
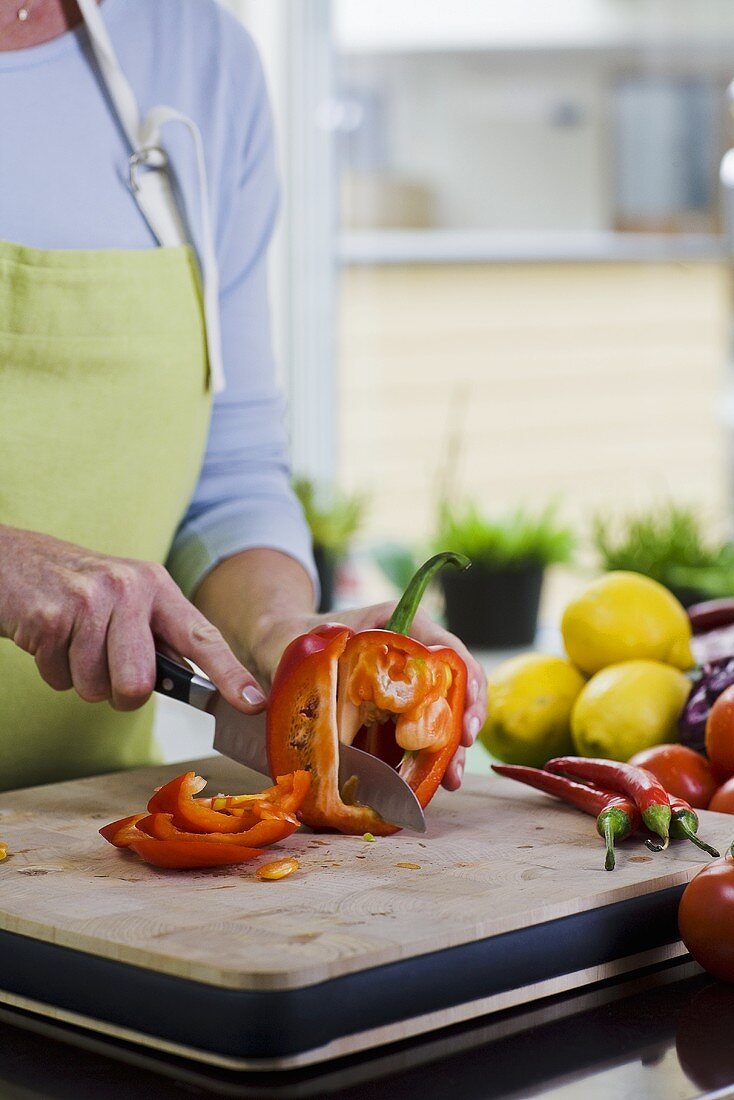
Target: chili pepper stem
(657, 819)
(609, 860)
(690, 835)
(402, 617)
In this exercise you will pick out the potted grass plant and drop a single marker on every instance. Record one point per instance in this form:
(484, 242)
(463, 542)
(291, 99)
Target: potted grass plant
(494, 605)
(334, 518)
(670, 545)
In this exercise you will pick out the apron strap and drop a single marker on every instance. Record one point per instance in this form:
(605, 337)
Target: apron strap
(151, 187)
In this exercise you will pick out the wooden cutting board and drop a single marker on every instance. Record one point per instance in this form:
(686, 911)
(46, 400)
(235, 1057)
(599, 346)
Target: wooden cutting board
(503, 900)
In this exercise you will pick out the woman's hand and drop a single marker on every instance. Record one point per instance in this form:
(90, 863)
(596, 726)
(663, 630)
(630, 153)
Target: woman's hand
(92, 622)
(277, 633)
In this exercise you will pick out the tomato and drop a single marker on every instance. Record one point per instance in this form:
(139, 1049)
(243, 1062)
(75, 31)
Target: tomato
(720, 735)
(706, 918)
(723, 800)
(683, 772)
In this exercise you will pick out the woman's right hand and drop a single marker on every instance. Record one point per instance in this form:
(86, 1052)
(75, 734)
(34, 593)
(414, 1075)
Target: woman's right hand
(93, 622)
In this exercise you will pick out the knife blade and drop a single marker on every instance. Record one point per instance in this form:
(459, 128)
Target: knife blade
(242, 737)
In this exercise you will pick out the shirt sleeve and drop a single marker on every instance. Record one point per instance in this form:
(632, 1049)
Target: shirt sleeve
(244, 498)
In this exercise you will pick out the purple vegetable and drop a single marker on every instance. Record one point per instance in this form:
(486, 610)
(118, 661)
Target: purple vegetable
(711, 680)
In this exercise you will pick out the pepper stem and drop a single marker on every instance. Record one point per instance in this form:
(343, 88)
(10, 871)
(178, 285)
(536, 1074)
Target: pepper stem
(402, 617)
(689, 833)
(657, 819)
(609, 861)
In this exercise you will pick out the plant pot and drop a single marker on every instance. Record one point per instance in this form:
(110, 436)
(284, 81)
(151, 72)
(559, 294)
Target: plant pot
(327, 564)
(688, 596)
(493, 608)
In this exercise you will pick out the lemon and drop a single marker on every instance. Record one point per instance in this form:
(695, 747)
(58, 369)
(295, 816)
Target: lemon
(628, 707)
(623, 616)
(529, 710)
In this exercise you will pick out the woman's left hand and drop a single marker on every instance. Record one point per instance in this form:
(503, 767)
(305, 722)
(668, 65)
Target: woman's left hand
(278, 634)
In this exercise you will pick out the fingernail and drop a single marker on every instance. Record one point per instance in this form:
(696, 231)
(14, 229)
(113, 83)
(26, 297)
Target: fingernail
(253, 696)
(473, 691)
(460, 771)
(474, 726)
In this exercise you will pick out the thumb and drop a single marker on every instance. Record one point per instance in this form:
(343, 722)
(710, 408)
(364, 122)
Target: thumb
(178, 623)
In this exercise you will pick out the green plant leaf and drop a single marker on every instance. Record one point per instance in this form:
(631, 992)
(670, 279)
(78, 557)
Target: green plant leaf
(668, 544)
(333, 516)
(515, 539)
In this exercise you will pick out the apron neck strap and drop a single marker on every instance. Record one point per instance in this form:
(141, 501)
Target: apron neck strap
(149, 178)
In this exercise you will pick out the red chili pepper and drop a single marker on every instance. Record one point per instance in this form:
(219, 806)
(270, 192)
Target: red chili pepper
(684, 826)
(617, 817)
(649, 795)
(380, 690)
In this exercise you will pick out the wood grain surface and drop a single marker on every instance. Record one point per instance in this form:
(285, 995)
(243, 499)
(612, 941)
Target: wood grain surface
(496, 857)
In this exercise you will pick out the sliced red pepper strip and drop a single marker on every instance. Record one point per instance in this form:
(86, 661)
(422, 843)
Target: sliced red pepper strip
(195, 815)
(262, 834)
(185, 855)
(121, 833)
(379, 689)
(177, 798)
(287, 797)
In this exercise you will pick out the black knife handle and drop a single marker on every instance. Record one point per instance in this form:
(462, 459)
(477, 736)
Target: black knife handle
(172, 679)
(181, 683)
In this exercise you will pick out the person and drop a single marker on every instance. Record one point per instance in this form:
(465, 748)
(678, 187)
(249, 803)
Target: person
(144, 480)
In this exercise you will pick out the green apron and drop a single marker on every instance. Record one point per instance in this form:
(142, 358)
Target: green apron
(107, 364)
(104, 411)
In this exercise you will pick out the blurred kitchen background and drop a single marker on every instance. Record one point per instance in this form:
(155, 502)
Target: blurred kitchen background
(501, 277)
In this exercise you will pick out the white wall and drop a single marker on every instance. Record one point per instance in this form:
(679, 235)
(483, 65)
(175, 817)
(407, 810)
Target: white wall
(439, 24)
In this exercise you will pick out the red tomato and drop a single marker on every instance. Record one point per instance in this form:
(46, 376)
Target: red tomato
(706, 918)
(681, 771)
(723, 800)
(720, 735)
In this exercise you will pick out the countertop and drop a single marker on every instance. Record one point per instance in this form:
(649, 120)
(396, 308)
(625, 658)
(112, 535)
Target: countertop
(665, 1033)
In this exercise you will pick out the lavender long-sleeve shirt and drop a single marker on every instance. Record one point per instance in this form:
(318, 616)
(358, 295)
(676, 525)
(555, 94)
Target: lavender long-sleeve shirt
(63, 170)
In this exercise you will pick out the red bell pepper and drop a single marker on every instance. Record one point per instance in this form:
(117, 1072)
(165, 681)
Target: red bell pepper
(286, 797)
(122, 832)
(180, 831)
(161, 827)
(157, 841)
(186, 855)
(380, 690)
(195, 815)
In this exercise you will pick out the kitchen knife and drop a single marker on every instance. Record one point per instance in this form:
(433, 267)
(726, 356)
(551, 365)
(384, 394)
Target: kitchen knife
(242, 738)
